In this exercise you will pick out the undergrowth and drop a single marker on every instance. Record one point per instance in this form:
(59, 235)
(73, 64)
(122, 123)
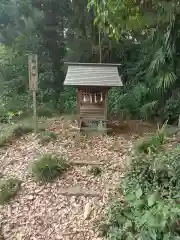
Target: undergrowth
(153, 143)
(8, 189)
(4, 139)
(13, 131)
(48, 168)
(8, 132)
(151, 206)
(46, 136)
(46, 111)
(19, 131)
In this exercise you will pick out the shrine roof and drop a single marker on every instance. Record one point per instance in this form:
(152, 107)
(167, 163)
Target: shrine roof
(93, 74)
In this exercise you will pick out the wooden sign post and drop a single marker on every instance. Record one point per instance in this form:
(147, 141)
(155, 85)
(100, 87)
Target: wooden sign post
(33, 76)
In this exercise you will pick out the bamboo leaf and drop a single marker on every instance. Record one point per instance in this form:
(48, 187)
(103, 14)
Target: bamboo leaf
(139, 193)
(167, 80)
(152, 199)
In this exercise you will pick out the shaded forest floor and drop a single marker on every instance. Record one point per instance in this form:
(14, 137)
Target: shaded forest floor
(57, 210)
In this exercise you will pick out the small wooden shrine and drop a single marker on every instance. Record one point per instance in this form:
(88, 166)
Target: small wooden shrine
(92, 81)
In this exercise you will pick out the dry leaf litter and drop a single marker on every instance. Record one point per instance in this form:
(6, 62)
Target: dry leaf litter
(72, 206)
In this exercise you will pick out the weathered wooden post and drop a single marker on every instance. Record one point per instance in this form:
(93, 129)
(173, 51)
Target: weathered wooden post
(33, 75)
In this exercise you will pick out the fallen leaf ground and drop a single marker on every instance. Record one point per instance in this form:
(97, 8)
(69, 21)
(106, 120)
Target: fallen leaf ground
(56, 210)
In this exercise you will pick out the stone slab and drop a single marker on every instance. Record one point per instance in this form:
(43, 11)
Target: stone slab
(78, 191)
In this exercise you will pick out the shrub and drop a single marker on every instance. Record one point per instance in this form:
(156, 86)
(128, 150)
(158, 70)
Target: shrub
(48, 167)
(6, 134)
(171, 109)
(8, 189)
(150, 209)
(152, 144)
(3, 140)
(68, 101)
(21, 130)
(148, 144)
(158, 172)
(144, 219)
(12, 131)
(46, 137)
(14, 106)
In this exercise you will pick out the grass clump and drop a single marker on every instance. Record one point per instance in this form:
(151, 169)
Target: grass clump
(150, 208)
(6, 134)
(4, 140)
(48, 168)
(96, 171)
(8, 189)
(45, 137)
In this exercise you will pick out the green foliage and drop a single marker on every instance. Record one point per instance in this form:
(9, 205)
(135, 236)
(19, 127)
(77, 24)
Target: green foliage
(96, 171)
(68, 101)
(171, 109)
(148, 32)
(10, 131)
(143, 221)
(4, 139)
(150, 209)
(133, 103)
(14, 107)
(155, 173)
(152, 144)
(27, 33)
(46, 110)
(8, 189)
(46, 137)
(19, 131)
(9, 117)
(143, 37)
(48, 168)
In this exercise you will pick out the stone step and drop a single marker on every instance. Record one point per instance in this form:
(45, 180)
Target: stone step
(78, 191)
(86, 163)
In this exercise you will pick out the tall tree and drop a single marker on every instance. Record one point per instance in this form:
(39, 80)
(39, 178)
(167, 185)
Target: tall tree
(52, 31)
(158, 23)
